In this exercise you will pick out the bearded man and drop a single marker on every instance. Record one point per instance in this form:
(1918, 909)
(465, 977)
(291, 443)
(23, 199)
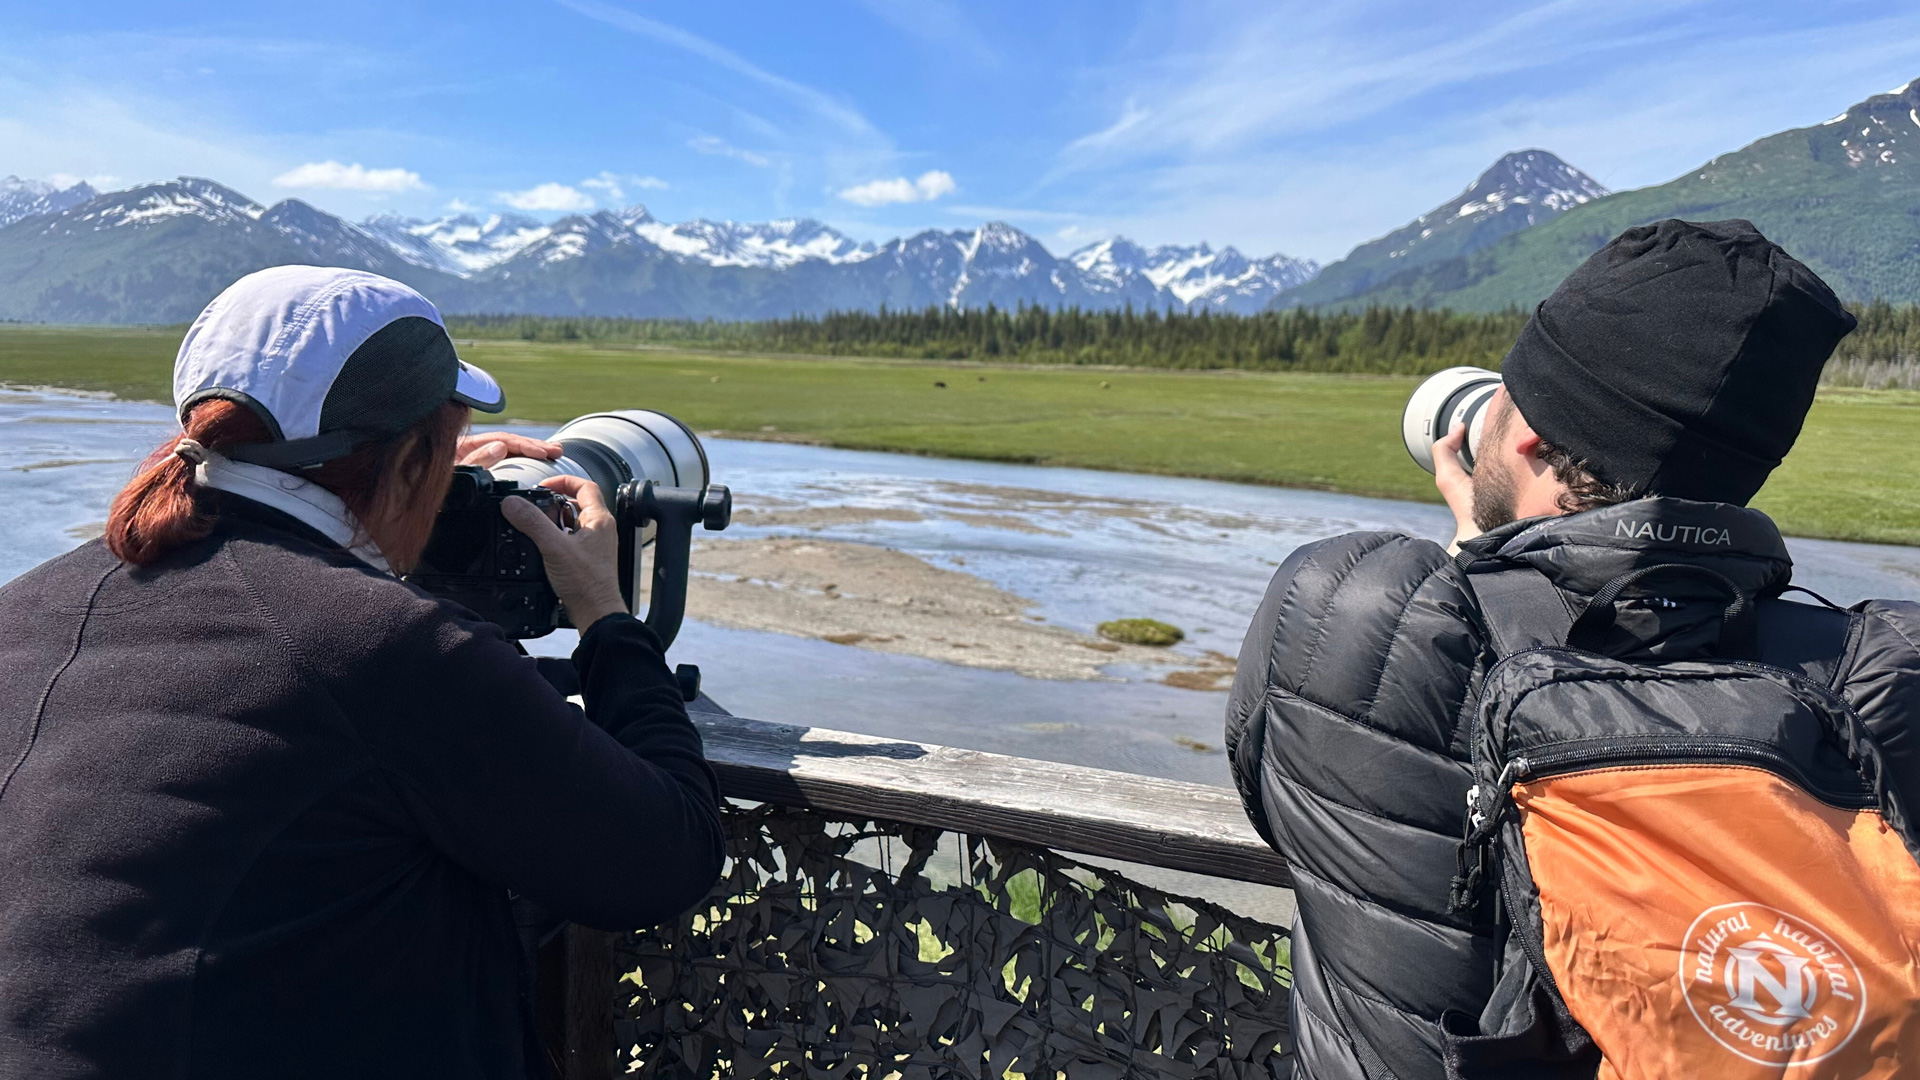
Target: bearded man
(1643, 405)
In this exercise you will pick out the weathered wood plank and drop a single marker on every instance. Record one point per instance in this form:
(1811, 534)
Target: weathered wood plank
(1114, 815)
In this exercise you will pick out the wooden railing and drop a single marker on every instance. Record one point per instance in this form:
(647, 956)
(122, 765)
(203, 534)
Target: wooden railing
(1014, 801)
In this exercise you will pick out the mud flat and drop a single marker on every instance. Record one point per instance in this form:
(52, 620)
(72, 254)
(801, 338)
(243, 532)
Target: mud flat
(877, 598)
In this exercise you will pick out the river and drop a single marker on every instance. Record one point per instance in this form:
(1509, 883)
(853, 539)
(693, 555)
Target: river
(1082, 546)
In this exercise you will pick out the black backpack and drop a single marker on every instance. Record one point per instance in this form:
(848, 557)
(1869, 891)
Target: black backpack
(1699, 863)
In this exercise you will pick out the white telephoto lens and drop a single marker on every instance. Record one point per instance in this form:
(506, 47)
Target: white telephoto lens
(1455, 396)
(612, 448)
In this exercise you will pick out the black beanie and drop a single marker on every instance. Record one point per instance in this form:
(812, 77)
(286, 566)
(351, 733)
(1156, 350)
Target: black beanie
(1679, 360)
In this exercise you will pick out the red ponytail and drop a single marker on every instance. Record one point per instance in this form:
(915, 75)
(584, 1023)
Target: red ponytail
(158, 511)
(394, 486)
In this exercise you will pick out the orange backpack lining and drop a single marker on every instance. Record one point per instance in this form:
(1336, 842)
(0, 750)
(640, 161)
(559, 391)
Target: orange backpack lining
(1628, 860)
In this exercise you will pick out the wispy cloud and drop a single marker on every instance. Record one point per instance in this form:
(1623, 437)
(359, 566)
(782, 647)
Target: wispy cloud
(927, 187)
(1314, 128)
(936, 21)
(1301, 71)
(615, 185)
(719, 147)
(355, 177)
(822, 104)
(548, 196)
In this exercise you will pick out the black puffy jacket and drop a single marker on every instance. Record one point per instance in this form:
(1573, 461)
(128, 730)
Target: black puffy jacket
(1347, 731)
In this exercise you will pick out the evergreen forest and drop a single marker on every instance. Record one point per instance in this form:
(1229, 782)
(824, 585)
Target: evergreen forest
(1883, 352)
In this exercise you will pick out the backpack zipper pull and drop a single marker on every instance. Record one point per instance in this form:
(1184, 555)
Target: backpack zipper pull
(1484, 806)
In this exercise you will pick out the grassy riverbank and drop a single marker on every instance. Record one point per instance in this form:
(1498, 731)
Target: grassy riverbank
(1855, 474)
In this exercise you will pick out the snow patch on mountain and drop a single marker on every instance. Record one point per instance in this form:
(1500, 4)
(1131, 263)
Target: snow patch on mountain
(458, 243)
(1195, 275)
(775, 244)
(467, 244)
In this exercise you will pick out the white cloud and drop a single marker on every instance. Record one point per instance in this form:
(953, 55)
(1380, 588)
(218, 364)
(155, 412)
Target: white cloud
(719, 147)
(615, 184)
(548, 196)
(355, 177)
(460, 206)
(930, 186)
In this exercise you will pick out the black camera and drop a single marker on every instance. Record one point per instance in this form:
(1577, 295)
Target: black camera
(653, 472)
(477, 558)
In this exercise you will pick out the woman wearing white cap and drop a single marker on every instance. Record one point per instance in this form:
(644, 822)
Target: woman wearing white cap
(262, 804)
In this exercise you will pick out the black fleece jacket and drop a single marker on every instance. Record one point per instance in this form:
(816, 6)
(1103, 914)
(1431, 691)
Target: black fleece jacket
(1348, 723)
(262, 808)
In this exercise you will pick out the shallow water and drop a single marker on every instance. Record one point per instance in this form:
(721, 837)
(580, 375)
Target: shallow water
(1083, 546)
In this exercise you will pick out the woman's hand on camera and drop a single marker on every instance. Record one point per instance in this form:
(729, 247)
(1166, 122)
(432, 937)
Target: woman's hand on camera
(489, 448)
(1456, 485)
(583, 565)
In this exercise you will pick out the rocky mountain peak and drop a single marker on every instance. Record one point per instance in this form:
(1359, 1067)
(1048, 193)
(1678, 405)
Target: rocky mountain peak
(1111, 259)
(22, 199)
(151, 204)
(1528, 178)
(1000, 237)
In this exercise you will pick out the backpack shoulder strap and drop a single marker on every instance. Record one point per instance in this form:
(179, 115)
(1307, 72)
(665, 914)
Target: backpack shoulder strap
(1520, 607)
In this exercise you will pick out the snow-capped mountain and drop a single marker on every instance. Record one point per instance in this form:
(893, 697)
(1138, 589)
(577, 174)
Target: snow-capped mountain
(152, 204)
(1520, 190)
(1195, 275)
(728, 243)
(459, 243)
(1526, 188)
(996, 263)
(21, 199)
(466, 244)
(320, 236)
(157, 252)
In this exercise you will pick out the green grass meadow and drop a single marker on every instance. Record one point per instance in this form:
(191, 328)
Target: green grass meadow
(1855, 474)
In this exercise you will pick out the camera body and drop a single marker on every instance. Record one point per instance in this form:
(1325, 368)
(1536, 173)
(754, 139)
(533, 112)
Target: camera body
(652, 471)
(478, 559)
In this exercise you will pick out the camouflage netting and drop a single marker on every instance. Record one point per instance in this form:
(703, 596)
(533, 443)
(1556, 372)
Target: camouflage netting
(872, 949)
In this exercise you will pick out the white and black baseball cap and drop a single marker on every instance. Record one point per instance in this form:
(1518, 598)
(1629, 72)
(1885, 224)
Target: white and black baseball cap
(328, 358)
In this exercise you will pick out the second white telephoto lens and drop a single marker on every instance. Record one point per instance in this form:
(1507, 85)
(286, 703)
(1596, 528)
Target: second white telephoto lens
(1455, 396)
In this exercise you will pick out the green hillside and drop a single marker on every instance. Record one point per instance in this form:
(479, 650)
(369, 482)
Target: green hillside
(1843, 196)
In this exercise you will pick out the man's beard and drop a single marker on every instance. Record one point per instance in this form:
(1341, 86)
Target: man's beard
(1495, 496)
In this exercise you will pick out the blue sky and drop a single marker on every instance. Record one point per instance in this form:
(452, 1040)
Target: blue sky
(1296, 127)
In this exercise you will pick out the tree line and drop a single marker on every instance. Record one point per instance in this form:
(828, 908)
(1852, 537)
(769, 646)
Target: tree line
(1884, 351)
